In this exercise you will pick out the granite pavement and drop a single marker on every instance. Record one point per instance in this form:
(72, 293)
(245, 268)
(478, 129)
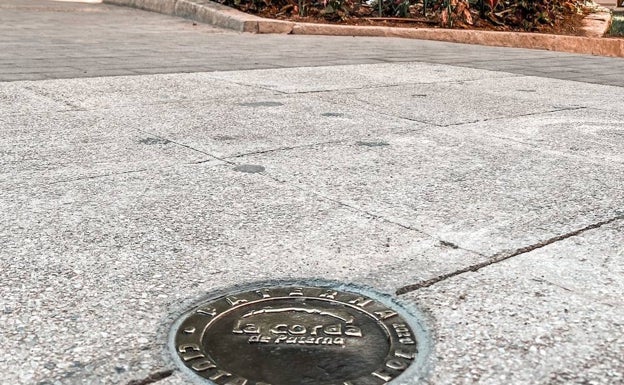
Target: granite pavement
(490, 199)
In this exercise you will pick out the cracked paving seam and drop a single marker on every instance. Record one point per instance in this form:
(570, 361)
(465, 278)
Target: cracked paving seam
(288, 148)
(152, 378)
(503, 256)
(186, 146)
(374, 216)
(515, 116)
(97, 176)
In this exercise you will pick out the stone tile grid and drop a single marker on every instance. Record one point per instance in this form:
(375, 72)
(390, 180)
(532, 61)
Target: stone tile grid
(107, 221)
(186, 93)
(134, 92)
(313, 141)
(485, 194)
(123, 232)
(231, 128)
(54, 147)
(585, 134)
(346, 77)
(551, 316)
(483, 99)
(464, 101)
(18, 99)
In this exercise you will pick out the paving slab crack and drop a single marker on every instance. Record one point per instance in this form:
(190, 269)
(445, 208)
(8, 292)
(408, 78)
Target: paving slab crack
(542, 280)
(496, 258)
(152, 378)
(377, 110)
(286, 148)
(187, 147)
(516, 116)
(375, 216)
(597, 159)
(363, 88)
(347, 89)
(50, 96)
(97, 176)
(248, 85)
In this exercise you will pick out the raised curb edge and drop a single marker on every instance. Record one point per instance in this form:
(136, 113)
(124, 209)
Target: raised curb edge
(206, 11)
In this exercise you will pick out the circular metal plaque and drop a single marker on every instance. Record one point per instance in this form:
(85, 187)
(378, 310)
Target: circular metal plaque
(295, 336)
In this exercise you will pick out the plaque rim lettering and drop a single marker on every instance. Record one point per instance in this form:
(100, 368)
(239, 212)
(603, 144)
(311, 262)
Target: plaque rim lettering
(409, 342)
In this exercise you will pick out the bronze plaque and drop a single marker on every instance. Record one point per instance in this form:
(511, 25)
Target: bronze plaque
(295, 336)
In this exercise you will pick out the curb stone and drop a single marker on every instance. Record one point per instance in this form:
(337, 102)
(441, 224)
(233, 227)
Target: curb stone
(205, 11)
(597, 24)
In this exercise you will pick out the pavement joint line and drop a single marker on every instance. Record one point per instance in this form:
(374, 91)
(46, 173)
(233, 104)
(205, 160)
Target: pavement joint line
(143, 170)
(592, 296)
(128, 72)
(52, 76)
(200, 162)
(374, 216)
(186, 146)
(97, 176)
(500, 257)
(407, 227)
(515, 116)
(43, 113)
(542, 280)
(383, 86)
(157, 103)
(242, 84)
(287, 148)
(153, 378)
(400, 117)
(350, 89)
(535, 146)
(601, 109)
(377, 110)
(48, 96)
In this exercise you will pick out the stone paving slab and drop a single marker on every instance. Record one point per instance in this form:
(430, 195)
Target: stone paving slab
(464, 101)
(135, 92)
(388, 202)
(476, 94)
(93, 268)
(20, 99)
(54, 147)
(234, 128)
(97, 260)
(481, 193)
(365, 76)
(586, 134)
(552, 316)
(555, 92)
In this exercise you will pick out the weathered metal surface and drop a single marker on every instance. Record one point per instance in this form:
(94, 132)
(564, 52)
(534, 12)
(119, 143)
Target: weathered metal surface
(295, 336)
